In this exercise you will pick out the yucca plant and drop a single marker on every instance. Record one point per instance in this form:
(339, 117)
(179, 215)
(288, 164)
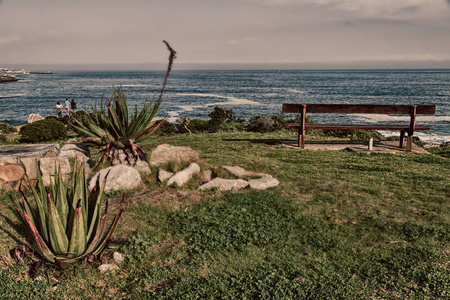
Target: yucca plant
(66, 222)
(116, 132)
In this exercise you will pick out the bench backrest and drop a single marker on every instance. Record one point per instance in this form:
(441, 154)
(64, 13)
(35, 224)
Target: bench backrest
(359, 108)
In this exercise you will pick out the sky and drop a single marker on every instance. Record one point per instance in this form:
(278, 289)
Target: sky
(225, 34)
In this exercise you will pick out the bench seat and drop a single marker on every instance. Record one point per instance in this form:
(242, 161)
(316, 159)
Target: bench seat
(357, 126)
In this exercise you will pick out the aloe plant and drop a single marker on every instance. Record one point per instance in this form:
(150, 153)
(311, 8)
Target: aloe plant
(116, 132)
(66, 222)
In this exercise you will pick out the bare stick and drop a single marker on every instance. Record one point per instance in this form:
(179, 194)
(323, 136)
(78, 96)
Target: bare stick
(173, 55)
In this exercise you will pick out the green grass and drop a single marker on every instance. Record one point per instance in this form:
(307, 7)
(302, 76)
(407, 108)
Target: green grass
(340, 225)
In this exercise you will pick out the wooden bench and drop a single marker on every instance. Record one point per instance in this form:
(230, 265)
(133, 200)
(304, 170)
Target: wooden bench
(411, 110)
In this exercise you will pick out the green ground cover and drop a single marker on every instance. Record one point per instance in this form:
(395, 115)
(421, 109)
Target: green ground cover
(341, 225)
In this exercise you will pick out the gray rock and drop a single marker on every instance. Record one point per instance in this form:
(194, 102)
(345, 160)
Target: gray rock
(241, 172)
(207, 175)
(118, 257)
(107, 268)
(166, 153)
(38, 150)
(78, 151)
(34, 117)
(263, 183)
(119, 177)
(142, 166)
(47, 167)
(30, 163)
(224, 184)
(180, 178)
(164, 175)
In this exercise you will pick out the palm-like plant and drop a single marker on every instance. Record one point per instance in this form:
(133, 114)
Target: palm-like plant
(110, 128)
(66, 223)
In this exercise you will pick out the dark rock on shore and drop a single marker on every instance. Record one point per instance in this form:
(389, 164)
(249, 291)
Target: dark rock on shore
(7, 79)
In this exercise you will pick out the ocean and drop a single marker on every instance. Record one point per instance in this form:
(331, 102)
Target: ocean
(248, 93)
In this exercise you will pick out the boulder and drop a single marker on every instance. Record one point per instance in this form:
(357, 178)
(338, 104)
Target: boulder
(263, 183)
(47, 167)
(30, 165)
(34, 117)
(119, 177)
(166, 153)
(142, 166)
(108, 268)
(78, 151)
(10, 173)
(180, 178)
(224, 184)
(164, 175)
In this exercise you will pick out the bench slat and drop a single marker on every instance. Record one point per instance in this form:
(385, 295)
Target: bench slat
(359, 108)
(357, 126)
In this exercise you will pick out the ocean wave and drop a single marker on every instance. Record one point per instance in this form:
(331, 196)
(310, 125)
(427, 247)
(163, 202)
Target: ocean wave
(12, 96)
(231, 100)
(380, 118)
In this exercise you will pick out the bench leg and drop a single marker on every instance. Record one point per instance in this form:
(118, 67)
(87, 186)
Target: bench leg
(402, 138)
(301, 139)
(409, 142)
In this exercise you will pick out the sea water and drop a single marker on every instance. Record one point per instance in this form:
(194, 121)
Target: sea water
(248, 93)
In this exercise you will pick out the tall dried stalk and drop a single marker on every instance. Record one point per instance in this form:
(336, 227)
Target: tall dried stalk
(173, 55)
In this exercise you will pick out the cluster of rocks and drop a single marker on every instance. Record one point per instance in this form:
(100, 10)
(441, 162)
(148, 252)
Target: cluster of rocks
(16, 161)
(166, 153)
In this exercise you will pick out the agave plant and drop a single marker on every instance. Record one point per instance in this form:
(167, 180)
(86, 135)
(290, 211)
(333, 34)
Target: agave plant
(111, 129)
(66, 222)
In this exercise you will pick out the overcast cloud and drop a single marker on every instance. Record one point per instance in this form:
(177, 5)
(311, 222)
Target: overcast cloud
(226, 33)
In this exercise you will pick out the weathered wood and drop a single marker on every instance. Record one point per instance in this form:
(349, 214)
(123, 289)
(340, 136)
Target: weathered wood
(412, 126)
(405, 127)
(360, 109)
(411, 110)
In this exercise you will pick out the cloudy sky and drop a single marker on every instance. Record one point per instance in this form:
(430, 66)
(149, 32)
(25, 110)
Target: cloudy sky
(220, 34)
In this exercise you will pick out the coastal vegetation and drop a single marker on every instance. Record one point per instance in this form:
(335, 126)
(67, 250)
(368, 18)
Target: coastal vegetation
(341, 225)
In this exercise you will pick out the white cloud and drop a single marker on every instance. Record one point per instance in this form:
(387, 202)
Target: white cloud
(373, 8)
(9, 40)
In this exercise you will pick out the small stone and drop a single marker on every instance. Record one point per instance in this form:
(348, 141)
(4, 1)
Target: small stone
(224, 184)
(164, 175)
(142, 166)
(263, 183)
(207, 175)
(241, 172)
(118, 257)
(108, 267)
(180, 178)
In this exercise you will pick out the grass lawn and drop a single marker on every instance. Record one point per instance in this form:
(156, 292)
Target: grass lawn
(341, 225)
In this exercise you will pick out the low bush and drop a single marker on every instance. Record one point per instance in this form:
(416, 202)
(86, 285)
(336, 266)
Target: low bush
(6, 128)
(3, 138)
(265, 124)
(43, 131)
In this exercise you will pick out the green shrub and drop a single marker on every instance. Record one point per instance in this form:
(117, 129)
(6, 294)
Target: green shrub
(265, 124)
(2, 138)
(43, 131)
(166, 128)
(6, 128)
(197, 125)
(443, 151)
(219, 116)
